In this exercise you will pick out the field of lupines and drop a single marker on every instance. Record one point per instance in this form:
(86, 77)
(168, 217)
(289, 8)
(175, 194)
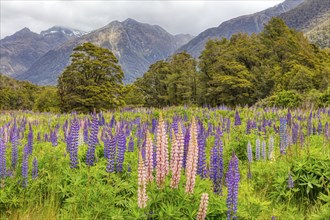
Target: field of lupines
(173, 163)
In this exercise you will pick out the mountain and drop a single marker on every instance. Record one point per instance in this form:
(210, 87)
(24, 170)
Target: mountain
(248, 23)
(20, 50)
(312, 17)
(136, 45)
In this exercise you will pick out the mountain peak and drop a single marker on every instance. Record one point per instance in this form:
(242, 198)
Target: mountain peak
(63, 30)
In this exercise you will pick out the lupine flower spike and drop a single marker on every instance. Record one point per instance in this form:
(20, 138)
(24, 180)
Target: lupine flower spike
(177, 158)
(203, 207)
(161, 155)
(149, 158)
(192, 159)
(142, 191)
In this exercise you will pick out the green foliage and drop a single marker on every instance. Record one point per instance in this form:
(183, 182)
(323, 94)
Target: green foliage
(242, 70)
(47, 100)
(93, 80)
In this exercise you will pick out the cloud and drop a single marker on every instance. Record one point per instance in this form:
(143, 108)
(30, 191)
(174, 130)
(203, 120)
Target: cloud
(176, 17)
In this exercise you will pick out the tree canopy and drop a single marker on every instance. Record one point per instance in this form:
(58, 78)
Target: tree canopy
(93, 80)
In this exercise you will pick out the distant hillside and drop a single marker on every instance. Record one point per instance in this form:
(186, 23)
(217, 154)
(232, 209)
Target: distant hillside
(20, 50)
(136, 45)
(248, 24)
(313, 18)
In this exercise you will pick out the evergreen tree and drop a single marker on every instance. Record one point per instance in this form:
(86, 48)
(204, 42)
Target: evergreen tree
(93, 80)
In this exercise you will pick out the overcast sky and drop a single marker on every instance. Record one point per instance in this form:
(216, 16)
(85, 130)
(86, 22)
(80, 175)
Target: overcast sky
(190, 17)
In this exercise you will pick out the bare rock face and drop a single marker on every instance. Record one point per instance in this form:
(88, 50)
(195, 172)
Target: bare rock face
(248, 24)
(136, 45)
(19, 51)
(312, 17)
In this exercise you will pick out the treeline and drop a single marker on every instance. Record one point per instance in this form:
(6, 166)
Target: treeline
(277, 67)
(23, 95)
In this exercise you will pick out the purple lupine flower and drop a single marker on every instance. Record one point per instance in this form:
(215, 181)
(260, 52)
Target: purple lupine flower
(112, 122)
(73, 143)
(289, 118)
(248, 127)
(2, 157)
(121, 145)
(232, 181)
(309, 124)
(154, 125)
(25, 166)
(326, 130)
(131, 145)
(216, 165)
(290, 181)
(30, 140)
(93, 141)
(295, 129)
(237, 119)
(34, 168)
(185, 147)
(249, 152)
(110, 149)
(258, 149)
(85, 133)
(283, 135)
(175, 126)
(14, 151)
(53, 138)
(201, 167)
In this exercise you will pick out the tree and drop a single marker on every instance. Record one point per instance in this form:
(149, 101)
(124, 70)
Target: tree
(93, 80)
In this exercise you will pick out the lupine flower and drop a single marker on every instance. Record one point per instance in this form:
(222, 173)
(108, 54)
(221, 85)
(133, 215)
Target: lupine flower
(203, 207)
(228, 125)
(216, 164)
(249, 152)
(25, 166)
(92, 142)
(30, 140)
(237, 119)
(248, 127)
(290, 181)
(121, 145)
(14, 151)
(177, 157)
(232, 180)
(162, 166)
(283, 136)
(326, 130)
(149, 158)
(185, 147)
(142, 184)
(34, 168)
(192, 159)
(263, 150)
(258, 149)
(201, 168)
(289, 117)
(2, 157)
(111, 154)
(295, 129)
(85, 133)
(73, 143)
(131, 145)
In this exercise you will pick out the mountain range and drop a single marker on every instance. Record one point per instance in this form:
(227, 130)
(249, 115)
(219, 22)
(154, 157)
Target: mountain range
(40, 58)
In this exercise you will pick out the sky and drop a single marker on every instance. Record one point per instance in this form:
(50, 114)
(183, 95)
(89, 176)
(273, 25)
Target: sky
(184, 16)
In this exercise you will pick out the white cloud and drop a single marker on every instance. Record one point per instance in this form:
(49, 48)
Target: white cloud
(176, 17)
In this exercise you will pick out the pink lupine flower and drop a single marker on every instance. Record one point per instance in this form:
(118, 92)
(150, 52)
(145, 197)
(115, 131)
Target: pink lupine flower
(162, 167)
(142, 194)
(203, 207)
(177, 148)
(149, 158)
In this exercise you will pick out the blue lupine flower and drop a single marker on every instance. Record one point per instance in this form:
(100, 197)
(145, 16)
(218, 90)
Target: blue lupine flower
(232, 181)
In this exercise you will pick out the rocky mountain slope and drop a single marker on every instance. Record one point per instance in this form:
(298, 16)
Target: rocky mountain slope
(135, 44)
(20, 50)
(313, 18)
(249, 24)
